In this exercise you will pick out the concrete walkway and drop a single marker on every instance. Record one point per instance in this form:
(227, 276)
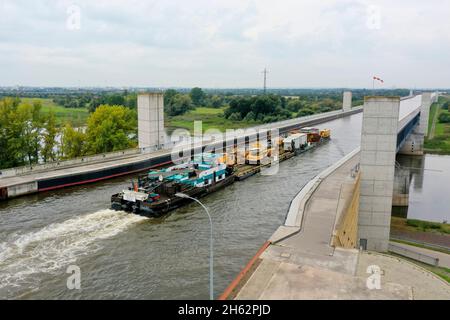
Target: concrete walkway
(305, 266)
(421, 284)
(306, 259)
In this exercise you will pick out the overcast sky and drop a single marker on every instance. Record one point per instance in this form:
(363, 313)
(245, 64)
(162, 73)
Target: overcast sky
(303, 43)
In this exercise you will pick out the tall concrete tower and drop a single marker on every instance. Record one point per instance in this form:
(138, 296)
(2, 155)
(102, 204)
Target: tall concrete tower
(378, 149)
(150, 121)
(347, 103)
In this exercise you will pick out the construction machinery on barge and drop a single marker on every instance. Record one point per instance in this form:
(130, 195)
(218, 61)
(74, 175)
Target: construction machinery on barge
(157, 192)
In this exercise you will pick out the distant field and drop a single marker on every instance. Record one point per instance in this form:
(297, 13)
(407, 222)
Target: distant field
(212, 118)
(77, 116)
(441, 141)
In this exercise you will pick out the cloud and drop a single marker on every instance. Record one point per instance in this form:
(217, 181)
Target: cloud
(225, 43)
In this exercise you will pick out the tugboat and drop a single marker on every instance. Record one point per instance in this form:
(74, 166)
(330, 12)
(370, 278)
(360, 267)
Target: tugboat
(155, 193)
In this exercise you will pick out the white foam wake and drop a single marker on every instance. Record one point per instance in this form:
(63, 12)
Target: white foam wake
(58, 245)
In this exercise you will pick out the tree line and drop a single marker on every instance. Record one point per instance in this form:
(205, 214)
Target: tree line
(177, 103)
(28, 136)
(93, 101)
(271, 107)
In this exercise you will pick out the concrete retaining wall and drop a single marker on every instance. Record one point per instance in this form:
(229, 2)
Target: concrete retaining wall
(294, 218)
(22, 189)
(413, 255)
(295, 214)
(65, 164)
(346, 234)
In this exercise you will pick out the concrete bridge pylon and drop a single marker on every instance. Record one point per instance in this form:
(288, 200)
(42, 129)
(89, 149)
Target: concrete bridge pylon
(378, 152)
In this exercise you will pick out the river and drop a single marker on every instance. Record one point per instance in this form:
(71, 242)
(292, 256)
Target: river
(429, 179)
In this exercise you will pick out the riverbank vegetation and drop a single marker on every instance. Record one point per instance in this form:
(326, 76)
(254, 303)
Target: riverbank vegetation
(420, 226)
(231, 112)
(76, 116)
(438, 140)
(31, 133)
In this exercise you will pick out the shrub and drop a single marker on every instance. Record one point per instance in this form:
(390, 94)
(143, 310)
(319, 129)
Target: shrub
(444, 117)
(236, 116)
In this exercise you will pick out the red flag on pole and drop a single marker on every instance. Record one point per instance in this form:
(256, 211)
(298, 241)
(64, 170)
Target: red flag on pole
(377, 78)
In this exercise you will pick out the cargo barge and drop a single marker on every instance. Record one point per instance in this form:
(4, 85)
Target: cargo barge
(158, 192)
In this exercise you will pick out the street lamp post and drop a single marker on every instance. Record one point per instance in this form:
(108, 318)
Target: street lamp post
(211, 253)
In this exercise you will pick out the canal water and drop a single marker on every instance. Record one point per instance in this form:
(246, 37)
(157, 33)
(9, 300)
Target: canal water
(428, 186)
(123, 256)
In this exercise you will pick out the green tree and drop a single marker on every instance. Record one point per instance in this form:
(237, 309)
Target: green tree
(250, 117)
(181, 104)
(72, 142)
(235, 116)
(197, 96)
(49, 139)
(131, 101)
(12, 127)
(216, 101)
(168, 97)
(109, 129)
(305, 112)
(115, 100)
(266, 104)
(294, 105)
(444, 117)
(32, 128)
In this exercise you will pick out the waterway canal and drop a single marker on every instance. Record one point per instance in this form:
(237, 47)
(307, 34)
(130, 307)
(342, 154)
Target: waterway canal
(130, 257)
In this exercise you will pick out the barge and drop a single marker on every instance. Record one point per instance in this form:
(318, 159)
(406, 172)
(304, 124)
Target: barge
(157, 192)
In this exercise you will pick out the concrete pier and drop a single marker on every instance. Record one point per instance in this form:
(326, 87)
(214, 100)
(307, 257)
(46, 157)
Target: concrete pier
(413, 145)
(378, 150)
(400, 196)
(347, 101)
(425, 113)
(151, 121)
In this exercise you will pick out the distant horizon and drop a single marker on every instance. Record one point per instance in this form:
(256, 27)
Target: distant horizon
(217, 88)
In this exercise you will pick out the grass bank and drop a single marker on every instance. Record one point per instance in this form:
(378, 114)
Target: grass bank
(440, 132)
(420, 226)
(77, 116)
